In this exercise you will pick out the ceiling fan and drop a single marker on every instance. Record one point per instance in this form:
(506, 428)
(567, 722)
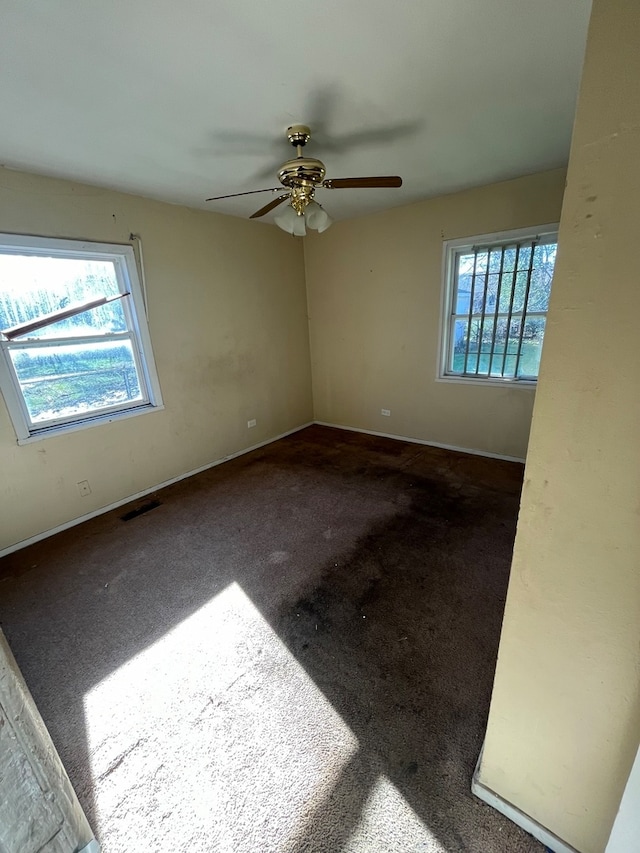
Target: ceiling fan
(301, 177)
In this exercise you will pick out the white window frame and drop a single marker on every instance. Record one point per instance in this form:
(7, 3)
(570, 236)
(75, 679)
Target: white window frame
(451, 248)
(124, 260)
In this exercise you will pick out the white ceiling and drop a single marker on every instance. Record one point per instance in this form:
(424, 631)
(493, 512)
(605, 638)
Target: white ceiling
(184, 100)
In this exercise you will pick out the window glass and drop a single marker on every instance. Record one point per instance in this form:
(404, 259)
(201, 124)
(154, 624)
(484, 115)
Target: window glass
(498, 296)
(74, 344)
(70, 379)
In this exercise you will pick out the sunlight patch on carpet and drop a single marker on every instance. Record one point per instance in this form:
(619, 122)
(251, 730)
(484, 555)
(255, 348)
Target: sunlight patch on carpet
(387, 820)
(215, 730)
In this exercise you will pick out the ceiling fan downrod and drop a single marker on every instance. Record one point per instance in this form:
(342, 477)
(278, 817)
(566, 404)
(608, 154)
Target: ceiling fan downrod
(301, 171)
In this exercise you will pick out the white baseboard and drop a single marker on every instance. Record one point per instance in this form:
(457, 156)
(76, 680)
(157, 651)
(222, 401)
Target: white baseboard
(422, 441)
(557, 845)
(91, 847)
(67, 524)
(625, 834)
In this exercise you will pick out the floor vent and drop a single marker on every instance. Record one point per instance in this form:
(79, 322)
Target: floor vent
(134, 513)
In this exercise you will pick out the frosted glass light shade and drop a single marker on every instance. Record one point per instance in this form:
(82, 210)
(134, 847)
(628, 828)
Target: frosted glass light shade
(290, 222)
(299, 228)
(314, 216)
(317, 217)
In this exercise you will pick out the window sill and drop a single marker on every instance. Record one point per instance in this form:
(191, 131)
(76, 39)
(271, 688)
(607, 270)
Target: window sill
(74, 426)
(529, 384)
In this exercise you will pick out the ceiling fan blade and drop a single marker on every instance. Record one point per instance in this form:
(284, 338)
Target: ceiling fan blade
(250, 192)
(270, 206)
(354, 183)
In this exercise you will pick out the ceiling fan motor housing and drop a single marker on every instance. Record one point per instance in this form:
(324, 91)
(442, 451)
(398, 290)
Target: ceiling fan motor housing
(301, 172)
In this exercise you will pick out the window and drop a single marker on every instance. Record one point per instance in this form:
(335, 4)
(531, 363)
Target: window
(74, 341)
(495, 305)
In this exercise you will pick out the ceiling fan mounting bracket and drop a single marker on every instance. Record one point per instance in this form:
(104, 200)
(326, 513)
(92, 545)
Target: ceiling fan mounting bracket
(298, 135)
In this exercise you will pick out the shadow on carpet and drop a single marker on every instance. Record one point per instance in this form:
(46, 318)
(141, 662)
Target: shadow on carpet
(291, 653)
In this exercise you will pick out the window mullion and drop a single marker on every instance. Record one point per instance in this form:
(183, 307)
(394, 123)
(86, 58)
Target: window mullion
(471, 298)
(130, 314)
(57, 316)
(452, 341)
(43, 343)
(140, 371)
(452, 297)
(15, 388)
(524, 309)
(514, 279)
(495, 316)
(484, 308)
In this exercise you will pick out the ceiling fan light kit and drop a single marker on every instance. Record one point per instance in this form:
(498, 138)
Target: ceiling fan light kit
(317, 217)
(300, 177)
(312, 216)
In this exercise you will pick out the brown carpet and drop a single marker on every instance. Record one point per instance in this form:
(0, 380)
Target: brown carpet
(293, 652)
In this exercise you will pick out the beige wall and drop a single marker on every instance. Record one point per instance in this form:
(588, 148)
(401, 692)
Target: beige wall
(374, 288)
(565, 716)
(227, 315)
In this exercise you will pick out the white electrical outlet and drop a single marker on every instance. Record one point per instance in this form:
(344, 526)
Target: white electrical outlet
(385, 412)
(84, 488)
(251, 423)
